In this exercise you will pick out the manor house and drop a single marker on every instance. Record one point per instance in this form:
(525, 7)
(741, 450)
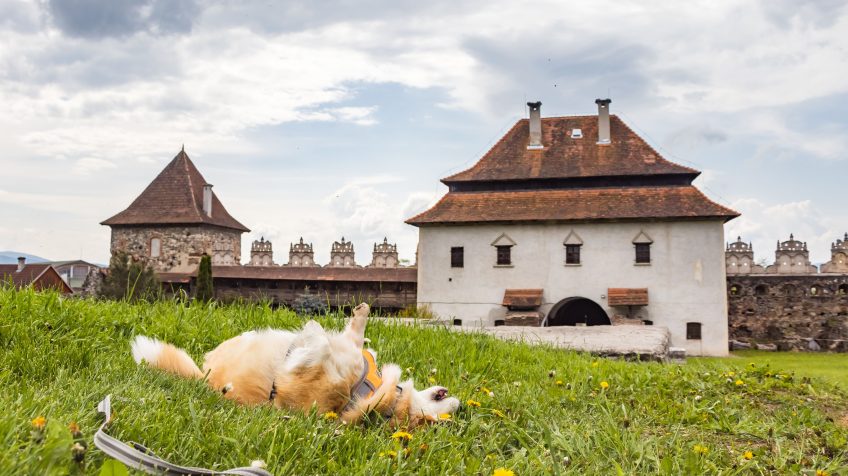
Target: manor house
(577, 221)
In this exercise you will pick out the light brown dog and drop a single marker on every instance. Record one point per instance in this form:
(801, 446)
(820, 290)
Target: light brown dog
(329, 370)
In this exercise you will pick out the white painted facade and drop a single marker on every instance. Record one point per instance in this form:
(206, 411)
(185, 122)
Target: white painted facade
(685, 279)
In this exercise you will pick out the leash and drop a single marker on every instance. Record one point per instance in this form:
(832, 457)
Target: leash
(139, 457)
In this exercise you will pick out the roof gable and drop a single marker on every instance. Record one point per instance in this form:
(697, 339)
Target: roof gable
(30, 274)
(565, 156)
(175, 197)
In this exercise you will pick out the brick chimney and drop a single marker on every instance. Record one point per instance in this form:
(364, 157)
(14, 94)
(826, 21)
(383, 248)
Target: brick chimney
(21, 263)
(207, 199)
(603, 121)
(535, 125)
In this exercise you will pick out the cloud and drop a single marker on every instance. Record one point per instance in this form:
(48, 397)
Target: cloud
(119, 18)
(90, 165)
(765, 224)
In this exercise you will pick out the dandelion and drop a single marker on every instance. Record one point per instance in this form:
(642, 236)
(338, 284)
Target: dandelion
(498, 413)
(700, 449)
(409, 370)
(739, 383)
(330, 416)
(821, 472)
(445, 417)
(401, 435)
(74, 428)
(433, 371)
(594, 364)
(552, 373)
(424, 447)
(39, 422)
(431, 380)
(604, 385)
(503, 472)
(748, 454)
(559, 382)
(388, 454)
(473, 403)
(485, 390)
(731, 374)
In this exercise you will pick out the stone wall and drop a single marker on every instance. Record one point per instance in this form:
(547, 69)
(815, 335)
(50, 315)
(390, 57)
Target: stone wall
(803, 312)
(180, 247)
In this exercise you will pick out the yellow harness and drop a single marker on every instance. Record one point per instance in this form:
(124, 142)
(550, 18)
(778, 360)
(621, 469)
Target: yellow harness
(369, 381)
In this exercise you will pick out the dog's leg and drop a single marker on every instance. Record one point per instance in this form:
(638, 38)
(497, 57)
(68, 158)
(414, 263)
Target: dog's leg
(356, 327)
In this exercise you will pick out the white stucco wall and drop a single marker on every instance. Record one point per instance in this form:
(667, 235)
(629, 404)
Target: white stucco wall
(685, 280)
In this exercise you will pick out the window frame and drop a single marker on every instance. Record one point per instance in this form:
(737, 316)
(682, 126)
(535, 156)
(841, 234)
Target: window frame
(503, 255)
(694, 331)
(158, 248)
(643, 253)
(572, 251)
(457, 256)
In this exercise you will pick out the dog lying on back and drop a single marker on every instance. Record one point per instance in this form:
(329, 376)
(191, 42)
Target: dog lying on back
(299, 370)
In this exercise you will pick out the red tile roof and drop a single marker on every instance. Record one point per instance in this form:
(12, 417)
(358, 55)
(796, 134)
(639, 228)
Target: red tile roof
(40, 275)
(394, 275)
(563, 157)
(523, 297)
(588, 204)
(175, 197)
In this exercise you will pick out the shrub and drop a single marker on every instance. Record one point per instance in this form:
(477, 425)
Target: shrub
(204, 292)
(129, 279)
(309, 305)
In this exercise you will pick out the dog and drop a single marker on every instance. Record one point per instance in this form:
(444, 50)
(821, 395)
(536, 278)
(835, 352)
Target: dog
(301, 370)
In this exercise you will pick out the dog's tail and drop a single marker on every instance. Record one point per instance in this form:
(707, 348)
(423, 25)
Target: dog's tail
(164, 356)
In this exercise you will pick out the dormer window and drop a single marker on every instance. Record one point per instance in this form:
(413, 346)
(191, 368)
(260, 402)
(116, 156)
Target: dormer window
(573, 244)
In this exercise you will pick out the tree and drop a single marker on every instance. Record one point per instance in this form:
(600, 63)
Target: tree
(204, 292)
(129, 279)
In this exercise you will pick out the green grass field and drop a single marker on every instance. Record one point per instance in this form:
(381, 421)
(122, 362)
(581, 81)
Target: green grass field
(59, 357)
(830, 367)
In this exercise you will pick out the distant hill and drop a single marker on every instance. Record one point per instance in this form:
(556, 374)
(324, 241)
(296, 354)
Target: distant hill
(11, 257)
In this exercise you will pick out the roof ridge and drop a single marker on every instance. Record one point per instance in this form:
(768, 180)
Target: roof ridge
(186, 161)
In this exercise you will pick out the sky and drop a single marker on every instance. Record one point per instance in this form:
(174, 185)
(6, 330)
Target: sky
(339, 117)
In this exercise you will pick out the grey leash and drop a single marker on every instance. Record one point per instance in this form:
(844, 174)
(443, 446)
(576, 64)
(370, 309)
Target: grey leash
(140, 458)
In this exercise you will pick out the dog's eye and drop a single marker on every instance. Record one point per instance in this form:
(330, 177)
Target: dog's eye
(440, 394)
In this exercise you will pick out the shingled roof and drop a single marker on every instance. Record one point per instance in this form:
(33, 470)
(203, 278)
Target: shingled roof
(39, 275)
(175, 197)
(571, 178)
(565, 157)
(587, 204)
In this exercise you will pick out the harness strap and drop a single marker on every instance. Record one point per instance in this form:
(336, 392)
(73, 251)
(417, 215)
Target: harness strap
(140, 458)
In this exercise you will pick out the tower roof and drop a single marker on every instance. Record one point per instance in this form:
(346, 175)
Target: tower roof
(175, 197)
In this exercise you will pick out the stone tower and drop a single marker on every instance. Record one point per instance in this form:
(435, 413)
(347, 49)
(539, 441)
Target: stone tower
(838, 257)
(739, 258)
(341, 254)
(176, 220)
(385, 255)
(262, 253)
(791, 257)
(301, 254)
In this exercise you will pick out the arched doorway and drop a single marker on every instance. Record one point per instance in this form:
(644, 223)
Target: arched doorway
(577, 310)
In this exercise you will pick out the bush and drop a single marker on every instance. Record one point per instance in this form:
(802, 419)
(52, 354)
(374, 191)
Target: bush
(129, 279)
(204, 292)
(309, 305)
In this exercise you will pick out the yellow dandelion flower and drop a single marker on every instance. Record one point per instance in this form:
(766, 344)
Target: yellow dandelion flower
(431, 380)
(402, 435)
(821, 472)
(424, 447)
(39, 422)
(701, 450)
(445, 417)
(594, 364)
(498, 413)
(388, 454)
(503, 472)
(472, 403)
(739, 382)
(73, 427)
(559, 382)
(484, 390)
(731, 374)
(748, 455)
(604, 385)
(330, 416)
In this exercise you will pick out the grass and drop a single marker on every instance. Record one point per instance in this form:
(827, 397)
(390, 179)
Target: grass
(59, 357)
(826, 366)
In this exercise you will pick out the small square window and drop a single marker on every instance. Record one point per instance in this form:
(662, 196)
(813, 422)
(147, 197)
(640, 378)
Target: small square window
(572, 254)
(457, 257)
(643, 253)
(693, 330)
(504, 255)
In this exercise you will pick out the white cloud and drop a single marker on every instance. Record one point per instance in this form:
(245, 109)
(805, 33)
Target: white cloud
(765, 224)
(90, 165)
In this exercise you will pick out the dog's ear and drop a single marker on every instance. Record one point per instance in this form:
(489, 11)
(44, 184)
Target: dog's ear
(355, 330)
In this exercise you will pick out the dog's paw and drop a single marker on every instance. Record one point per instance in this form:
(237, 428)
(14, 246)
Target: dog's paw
(362, 310)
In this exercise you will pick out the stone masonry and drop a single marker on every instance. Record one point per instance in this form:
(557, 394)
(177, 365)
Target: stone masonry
(180, 247)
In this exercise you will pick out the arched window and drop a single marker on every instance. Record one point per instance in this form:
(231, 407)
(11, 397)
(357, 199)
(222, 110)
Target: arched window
(155, 247)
